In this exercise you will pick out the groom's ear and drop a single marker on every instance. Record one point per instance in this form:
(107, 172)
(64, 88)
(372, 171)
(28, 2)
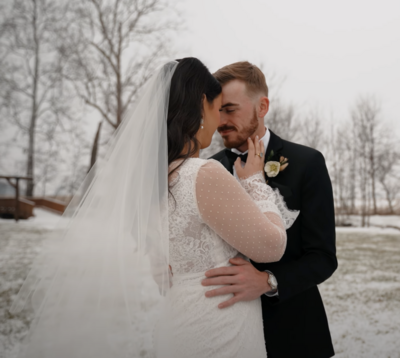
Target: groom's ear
(263, 107)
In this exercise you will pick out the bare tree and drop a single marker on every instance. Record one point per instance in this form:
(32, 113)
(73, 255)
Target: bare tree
(342, 169)
(364, 163)
(281, 115)
(112, 48)
(312, 131)
(388, 168)
(73, 168)
(281, 119)
(95, 146)
(31, 80)
(366, 126)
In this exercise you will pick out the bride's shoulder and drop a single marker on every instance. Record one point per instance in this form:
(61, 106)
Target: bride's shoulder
(201, 167)
(204, 166)
(208, 163)
(208, 167)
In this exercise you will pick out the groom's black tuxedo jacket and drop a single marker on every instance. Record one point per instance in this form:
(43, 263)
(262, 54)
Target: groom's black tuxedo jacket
(295, 324)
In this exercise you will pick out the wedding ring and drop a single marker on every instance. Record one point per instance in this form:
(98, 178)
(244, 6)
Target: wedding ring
(260, 154)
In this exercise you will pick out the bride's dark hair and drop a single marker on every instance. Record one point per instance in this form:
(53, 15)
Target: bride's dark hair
(189, 82)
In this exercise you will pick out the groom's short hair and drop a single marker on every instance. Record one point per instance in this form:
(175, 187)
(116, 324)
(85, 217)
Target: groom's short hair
(244, 71)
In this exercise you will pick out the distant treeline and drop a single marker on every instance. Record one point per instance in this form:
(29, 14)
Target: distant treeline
(362, 154)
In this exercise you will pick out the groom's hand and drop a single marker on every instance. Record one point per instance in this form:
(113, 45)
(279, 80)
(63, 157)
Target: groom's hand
(242, 279)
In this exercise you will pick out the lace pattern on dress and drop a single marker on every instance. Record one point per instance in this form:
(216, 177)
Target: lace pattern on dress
(288, 216)
(194, 246)
(268, 199)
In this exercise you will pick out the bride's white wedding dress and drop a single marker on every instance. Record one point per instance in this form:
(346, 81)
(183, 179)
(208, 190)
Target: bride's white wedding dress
(213, 217)
(98, 289)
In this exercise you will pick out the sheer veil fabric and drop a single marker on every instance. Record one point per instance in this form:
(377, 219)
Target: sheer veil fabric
(98, 288)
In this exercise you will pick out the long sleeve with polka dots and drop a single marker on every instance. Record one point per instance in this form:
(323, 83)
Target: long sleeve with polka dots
(248, 220)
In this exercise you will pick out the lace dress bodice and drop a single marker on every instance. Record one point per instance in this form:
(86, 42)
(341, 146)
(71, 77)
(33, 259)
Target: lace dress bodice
(212, 217)
(194, 246)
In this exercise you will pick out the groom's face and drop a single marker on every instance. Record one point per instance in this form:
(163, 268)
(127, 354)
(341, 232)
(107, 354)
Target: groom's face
(238, 115)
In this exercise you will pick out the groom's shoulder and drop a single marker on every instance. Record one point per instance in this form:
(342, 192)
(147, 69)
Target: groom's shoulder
(302, 152)
(219, 155)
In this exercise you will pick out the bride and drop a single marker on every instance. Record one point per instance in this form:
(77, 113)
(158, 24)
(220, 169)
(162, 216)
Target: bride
(122, 276)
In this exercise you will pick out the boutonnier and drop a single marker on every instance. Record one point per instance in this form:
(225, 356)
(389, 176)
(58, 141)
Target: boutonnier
(273, 168)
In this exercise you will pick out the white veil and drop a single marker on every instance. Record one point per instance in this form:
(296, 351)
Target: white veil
(98, 287)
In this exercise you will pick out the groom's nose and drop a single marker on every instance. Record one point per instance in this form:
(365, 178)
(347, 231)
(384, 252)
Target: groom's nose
(223, 118)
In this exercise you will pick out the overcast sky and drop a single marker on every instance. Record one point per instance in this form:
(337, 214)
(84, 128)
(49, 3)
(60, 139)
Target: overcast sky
(329, 51)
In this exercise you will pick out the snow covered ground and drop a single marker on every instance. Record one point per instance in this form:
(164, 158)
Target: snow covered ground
(19, 245)
(362, 299)
(377, 220)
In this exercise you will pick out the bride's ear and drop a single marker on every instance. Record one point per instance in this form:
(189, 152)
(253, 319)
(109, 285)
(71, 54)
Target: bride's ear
(203, 107)
(200, 133)
(204, 100)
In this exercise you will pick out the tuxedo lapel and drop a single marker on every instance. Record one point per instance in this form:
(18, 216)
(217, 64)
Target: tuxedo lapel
(275, 145)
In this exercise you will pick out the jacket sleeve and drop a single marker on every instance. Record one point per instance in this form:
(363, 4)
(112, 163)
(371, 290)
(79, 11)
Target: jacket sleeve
(317, 219)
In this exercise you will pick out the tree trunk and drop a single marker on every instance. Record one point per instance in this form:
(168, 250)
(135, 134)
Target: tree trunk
(32, 124)
(388, 197)
(119, 83)
(363, 187)
(352, 185)
(373, 189)
(95, 147)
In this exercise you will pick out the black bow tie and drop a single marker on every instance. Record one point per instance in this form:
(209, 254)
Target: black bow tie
(233, 156)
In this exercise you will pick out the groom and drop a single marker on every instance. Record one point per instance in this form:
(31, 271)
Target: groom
(295, 322)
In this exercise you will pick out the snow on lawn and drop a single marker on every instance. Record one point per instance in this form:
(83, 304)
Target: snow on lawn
(362, 299)
(19, 244)
(377, 220)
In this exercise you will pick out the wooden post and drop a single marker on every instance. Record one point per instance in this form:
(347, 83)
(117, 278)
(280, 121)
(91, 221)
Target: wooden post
(16, 187)
(16, 214)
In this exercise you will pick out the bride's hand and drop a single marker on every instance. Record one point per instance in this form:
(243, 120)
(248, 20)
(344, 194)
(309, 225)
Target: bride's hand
(254, 163)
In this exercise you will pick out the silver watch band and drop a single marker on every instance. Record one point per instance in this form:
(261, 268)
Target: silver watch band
(274, 291)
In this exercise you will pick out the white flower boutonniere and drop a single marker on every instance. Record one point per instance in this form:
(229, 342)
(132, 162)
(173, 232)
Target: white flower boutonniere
(273, 168)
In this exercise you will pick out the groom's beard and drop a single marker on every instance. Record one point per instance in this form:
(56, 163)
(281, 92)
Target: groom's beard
(235, 141)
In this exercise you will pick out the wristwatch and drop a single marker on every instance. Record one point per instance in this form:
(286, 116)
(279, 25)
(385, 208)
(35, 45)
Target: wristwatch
(272, 282)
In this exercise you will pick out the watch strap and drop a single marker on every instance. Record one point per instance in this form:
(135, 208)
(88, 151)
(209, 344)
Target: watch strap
(274, 290)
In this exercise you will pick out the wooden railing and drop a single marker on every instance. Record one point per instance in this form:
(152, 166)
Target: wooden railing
(50, 204)
(17, 200)
(8, 208)
(22, 208)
